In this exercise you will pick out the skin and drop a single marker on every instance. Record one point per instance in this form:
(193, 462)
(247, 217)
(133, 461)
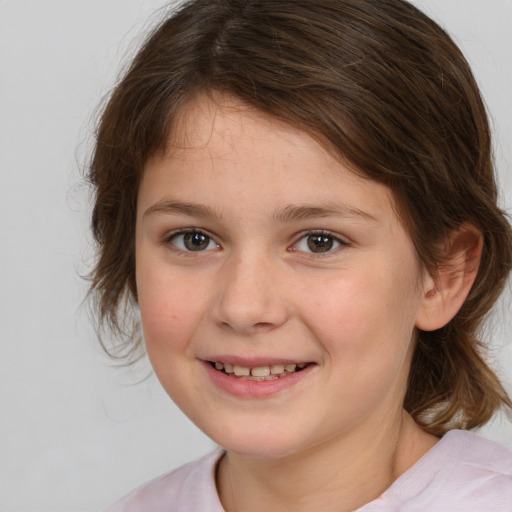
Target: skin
(258, 188)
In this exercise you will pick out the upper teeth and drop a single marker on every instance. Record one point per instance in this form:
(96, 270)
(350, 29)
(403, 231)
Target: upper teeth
(271, 371)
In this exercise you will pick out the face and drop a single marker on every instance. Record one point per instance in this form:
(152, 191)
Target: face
(278, 290)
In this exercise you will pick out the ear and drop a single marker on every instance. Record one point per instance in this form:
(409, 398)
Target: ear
(446, 291)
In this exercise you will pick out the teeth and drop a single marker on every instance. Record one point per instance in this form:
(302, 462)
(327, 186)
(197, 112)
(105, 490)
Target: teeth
(259, 372)
(240, 371)
(276, 369)
(268, 377)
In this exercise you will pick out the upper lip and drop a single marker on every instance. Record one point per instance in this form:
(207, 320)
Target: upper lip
(254, 362)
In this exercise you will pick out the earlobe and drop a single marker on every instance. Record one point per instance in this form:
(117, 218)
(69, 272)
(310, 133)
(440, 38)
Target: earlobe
(446, 291)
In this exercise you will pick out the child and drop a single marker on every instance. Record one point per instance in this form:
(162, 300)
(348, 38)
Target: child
(299, 198)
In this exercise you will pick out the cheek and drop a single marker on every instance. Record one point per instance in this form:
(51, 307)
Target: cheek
(169, 319)
(366, 332)
(168, 314)
(368, 316)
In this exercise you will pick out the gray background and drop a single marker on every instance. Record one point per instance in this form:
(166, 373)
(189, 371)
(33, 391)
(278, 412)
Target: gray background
(75, 432)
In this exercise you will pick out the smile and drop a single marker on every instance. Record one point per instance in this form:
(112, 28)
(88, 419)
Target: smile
(258, 373)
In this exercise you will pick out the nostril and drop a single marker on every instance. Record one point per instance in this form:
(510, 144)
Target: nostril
(247, 327)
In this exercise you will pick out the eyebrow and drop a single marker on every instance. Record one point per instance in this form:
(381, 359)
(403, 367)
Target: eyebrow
(184, 208)
(305, 212)
(289, 213)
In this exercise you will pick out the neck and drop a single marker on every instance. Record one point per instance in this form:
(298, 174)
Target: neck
(342, 474)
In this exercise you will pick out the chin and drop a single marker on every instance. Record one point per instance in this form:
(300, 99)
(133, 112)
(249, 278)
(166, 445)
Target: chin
(260, 450)
(260, 441)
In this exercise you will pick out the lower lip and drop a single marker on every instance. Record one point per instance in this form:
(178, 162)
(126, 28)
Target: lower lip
(251, 388)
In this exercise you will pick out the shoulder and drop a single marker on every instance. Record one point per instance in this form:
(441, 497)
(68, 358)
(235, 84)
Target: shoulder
(475, 455)
(476, 471)
(189, 488)
(462, 472)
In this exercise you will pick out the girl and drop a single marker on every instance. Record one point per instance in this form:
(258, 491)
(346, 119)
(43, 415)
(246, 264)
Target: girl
(299, 199)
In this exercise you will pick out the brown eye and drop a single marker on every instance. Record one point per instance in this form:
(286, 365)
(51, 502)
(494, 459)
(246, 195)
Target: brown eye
(196, 241)
(320, 243)
(193, 241)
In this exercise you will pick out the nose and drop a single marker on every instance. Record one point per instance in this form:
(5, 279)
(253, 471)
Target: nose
(251, 296)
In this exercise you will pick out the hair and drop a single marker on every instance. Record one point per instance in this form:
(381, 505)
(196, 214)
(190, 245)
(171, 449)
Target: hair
(375, 81)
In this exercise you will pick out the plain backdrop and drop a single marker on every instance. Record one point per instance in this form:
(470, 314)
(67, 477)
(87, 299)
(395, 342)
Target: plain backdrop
(75, 432)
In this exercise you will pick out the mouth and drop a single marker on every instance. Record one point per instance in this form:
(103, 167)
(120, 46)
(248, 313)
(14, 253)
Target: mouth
(258, 373)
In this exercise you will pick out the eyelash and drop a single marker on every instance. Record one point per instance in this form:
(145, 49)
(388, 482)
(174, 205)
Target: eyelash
(171, 237)
(335, 242)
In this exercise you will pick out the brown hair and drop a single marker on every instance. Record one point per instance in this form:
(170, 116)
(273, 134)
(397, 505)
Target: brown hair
(375, 80)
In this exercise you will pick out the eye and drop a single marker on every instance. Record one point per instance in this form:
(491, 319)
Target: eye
(193, 241)
(318, 243)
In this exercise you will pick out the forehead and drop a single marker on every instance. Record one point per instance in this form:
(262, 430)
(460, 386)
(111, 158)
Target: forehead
(220, 146)
(215, 120)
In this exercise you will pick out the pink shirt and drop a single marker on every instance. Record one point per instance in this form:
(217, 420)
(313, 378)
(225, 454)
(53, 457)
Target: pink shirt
(462, 473)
